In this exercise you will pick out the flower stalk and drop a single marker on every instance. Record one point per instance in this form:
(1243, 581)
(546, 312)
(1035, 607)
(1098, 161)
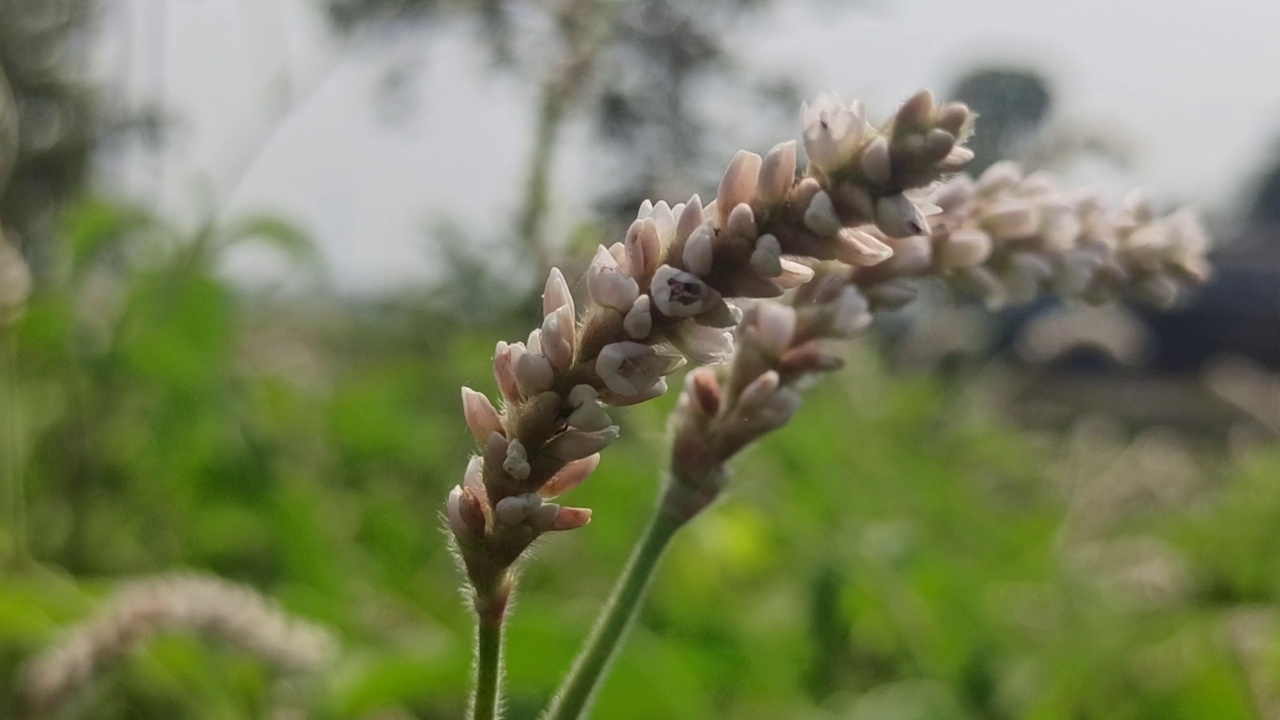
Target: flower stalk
(847, 235)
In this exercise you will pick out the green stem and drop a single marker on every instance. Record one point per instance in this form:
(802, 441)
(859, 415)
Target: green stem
(576, 693)
(14, 480)
(485, 701)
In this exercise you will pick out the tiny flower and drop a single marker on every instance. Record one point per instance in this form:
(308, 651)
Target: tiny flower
(517, 461)
(630, 368)
(608, 285)
(466, 519)
(573, 445)
(820, 216)
(473, 478)
(556, 294)
(875, 161)
(558, 330)
(570, 476)
(644, 248)
(766, 258)
(480, 414)
(897, 216)
(677, 293)
(698, 254)
(638, 321)
(777, 173)
(832, 132)
(534, 374)
(691, 218)
(504, 360)
(570, 518)
(738, 185)
(664, 220)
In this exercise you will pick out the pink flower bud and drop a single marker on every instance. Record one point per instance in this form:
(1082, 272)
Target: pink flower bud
(777, 174)
(573, 445)
(793, 275)
(558, 337)
(570, 476)
(860, 248)
(556, 294)
(738, 185)
(697, 254)
(608, 285)
(534, 374)
(466, 518)
(690, 218)
(644, 248)
(480, 414)
(570, 519)
(504, 358)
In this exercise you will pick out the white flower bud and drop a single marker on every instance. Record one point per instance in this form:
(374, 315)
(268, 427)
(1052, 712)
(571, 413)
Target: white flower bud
(558, 337)
(514, 509)
(556, 294)
(480, 414)
(793, 274)
(570, 476)
(738, 184)
(504, 361)
(665, 222)
(639, 320)
(775, 326)
(644, 248)
(534, 374)
(742, 222)
(777, 173)
(517, 461)
(608, 285)
(820, 216)
(698, 254)
(690, 218)
(766, 259)
(897, 216)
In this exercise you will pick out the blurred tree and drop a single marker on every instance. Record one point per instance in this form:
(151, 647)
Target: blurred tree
(50, 157)
(1012, 104)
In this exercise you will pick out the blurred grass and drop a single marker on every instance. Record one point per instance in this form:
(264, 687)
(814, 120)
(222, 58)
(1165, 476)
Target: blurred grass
(898, 552)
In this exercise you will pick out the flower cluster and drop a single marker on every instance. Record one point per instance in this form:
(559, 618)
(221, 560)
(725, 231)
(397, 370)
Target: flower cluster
(722, 410)
(15, 281)
(1007, 237)
(659, 297)
(142, 609)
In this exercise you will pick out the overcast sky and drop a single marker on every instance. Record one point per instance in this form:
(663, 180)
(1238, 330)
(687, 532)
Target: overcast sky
(1189, 85)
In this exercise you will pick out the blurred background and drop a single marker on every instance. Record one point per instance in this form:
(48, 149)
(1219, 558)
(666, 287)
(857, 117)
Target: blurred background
(270, 239)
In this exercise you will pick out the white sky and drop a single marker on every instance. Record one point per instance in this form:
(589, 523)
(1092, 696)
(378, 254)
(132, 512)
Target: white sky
(1188, 84)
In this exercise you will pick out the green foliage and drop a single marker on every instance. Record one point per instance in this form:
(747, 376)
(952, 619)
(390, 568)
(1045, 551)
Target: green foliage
(896, 553)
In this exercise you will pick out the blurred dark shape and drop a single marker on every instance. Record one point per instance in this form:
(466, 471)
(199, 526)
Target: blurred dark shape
(1264, 207)
(1012, 105)
(55, 113)
(379, 16)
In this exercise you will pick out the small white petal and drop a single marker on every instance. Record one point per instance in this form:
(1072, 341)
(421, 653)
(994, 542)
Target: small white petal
(690, 218)
(738, 185)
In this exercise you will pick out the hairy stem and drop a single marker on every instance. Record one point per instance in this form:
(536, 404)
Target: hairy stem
(576, 693)
(486, 700)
